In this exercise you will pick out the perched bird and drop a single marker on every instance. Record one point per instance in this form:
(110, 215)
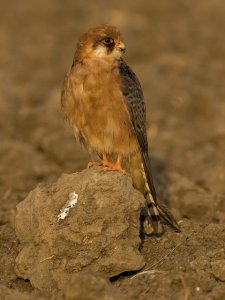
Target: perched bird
(104, 103)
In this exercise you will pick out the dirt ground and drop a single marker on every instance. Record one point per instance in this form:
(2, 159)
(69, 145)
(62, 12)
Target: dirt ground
(177, 49)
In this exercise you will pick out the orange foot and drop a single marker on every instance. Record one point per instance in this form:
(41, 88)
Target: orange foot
(94, 164)
(113, 167)
(104, 162)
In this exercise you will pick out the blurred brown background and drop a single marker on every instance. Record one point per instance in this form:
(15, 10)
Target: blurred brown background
(177, 49)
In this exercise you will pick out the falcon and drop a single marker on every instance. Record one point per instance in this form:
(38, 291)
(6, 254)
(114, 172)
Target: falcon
(104, 103)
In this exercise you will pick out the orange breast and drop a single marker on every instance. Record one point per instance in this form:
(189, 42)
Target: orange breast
(96, 109)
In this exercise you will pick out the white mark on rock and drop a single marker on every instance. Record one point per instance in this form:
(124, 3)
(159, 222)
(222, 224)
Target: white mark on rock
(73, 198)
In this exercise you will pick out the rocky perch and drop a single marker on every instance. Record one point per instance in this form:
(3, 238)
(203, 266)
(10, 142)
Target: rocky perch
(87, 221)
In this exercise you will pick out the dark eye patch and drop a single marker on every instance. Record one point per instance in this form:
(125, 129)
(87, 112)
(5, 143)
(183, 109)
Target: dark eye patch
(108, 40)
(109, 43)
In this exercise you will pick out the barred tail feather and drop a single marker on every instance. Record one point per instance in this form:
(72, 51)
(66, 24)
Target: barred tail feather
(158, 212)
(153, 213)
(154, 216)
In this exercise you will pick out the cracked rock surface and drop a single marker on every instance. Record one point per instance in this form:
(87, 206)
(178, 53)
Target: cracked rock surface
(100, 233)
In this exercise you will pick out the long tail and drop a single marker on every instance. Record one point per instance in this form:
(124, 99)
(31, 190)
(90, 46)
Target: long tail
(155, 214)
(158, 212)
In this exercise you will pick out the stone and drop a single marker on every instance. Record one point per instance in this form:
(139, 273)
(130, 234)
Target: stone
(84, 221)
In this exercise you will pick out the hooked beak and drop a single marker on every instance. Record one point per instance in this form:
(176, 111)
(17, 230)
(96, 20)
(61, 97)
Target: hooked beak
(121, 47)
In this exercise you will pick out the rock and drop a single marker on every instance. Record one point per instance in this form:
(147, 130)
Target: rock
(100, 233)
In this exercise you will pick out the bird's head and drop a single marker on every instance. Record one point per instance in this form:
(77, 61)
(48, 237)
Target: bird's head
(103, 42)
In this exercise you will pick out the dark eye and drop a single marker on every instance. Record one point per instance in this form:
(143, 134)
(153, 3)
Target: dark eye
(108, 41)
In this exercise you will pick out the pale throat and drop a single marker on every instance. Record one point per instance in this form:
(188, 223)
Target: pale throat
(102, 53)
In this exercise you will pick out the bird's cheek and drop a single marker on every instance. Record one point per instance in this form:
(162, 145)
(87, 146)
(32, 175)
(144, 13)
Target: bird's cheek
(100, 52)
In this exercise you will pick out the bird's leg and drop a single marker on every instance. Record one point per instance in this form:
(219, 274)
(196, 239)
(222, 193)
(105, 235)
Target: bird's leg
(108, 166)
(104, 162)
(94, 164)
(115, 167)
